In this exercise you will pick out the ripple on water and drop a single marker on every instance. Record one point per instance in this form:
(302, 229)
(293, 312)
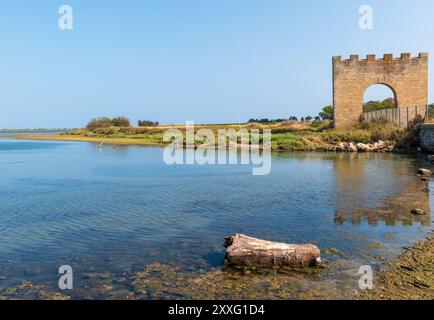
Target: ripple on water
(69, 201)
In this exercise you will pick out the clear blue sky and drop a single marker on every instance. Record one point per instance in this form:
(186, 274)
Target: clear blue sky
(175, 60)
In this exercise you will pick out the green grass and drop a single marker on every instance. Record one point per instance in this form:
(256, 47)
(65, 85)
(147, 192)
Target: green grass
(287, 142)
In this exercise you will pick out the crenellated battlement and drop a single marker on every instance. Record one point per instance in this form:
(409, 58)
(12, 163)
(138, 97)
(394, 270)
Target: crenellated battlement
(405, 75)
(405, 57)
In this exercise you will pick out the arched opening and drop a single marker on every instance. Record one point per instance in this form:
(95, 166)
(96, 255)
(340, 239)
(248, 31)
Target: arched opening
(379, 97)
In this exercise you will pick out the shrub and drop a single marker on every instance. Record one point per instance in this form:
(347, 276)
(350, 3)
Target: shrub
(388, 103)
(116, 135)
(342, 135)
(105, 122)
(287, 142)
(147, 123)
(107, 131)
(408, 140)
(321, 125)
(254, 125)
(364, 132)
(327, 113)
(96, 123)
(121, 122)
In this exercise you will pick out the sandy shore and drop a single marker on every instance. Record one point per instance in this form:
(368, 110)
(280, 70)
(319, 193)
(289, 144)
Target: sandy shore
(109, 141)
(99, 140)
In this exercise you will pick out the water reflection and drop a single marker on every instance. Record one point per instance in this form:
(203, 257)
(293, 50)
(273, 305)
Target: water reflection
(356, 176)
(115, 210)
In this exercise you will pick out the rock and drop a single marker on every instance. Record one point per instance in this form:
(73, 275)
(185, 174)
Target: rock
(418, 212)
(329, 251)
(340, 147)
(361, 147)
(389, 236)
(374, 245)
(424, 172)
(352, 147)
(346, 146)
(430, 158)
(244, 251)
(379, 146)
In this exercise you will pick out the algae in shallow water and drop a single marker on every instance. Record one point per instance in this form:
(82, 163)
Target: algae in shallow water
(410, 276)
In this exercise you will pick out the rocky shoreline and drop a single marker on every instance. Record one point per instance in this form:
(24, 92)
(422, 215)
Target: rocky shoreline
(379, 146)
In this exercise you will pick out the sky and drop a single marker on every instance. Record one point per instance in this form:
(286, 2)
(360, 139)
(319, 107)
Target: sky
(206, 61)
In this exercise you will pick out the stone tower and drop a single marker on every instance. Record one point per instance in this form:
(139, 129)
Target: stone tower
(406, 76)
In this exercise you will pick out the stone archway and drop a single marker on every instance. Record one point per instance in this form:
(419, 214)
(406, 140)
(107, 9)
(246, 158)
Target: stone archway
(407, 77)
(381, 91)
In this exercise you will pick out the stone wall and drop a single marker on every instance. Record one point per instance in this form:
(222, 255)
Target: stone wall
(406, 76)
(426, 137)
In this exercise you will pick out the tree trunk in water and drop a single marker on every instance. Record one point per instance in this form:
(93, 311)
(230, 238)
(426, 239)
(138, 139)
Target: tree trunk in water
(242, 250)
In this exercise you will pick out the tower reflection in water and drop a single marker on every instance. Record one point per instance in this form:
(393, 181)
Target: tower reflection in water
(382, 190)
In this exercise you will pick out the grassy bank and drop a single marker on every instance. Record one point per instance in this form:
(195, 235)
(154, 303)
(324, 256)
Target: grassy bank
(286, 136)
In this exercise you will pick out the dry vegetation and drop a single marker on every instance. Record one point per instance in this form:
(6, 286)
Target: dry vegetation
(286, 135)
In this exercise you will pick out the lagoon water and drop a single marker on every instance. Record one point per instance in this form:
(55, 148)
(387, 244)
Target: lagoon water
(115, 210)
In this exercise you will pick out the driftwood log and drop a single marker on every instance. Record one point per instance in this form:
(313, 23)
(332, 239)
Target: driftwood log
(244, 251)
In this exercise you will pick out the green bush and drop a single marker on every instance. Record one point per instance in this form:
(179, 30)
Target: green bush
(96, 123)
(104, 122)
(90, 134)
(351, 135)
(388, 103)
(286, 141)
(148, 123)
(116, 135)
(121, 122)
(327, 113)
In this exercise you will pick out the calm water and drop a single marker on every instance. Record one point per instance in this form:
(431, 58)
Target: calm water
(118, 209)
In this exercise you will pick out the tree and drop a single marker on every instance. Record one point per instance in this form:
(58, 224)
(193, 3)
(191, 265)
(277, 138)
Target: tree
(96, 123)
(388, 103)
(121, 122)
(327, 113)
(430, 111)
(147, 123)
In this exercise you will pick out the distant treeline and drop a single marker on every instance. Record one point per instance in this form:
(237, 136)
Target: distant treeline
(293, 118)
(325, 114)
(388, 103)
(105, 122)
(147, 123)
